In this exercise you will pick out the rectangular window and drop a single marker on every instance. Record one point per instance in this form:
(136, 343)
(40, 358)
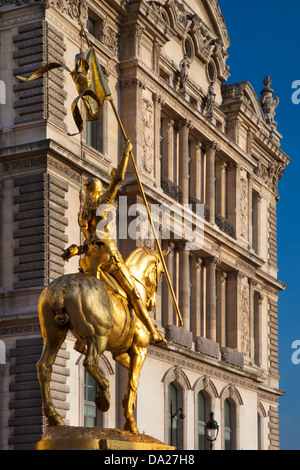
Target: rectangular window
(173, 421)
(91, 26)
(201, 421)
(92, 417)
(94, 24)
(90, 410)
(94, 132)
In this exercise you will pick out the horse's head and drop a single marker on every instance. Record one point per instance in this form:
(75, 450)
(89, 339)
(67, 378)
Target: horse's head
(147, 268)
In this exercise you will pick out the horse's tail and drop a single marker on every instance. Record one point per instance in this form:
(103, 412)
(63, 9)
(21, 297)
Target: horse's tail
(56, 295)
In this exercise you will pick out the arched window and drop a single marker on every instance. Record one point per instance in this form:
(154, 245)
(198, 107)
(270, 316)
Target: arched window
(173, 423)
(261, 415)
(227, 422)
(201, 421)
(259, 432)
(176, 384)
(92, 417)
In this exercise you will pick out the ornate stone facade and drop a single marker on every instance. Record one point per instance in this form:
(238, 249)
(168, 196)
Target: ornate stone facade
(197, 141)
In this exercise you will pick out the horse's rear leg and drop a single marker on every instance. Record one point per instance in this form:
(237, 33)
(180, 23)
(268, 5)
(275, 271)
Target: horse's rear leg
(44, 371)
(95, 348)
(137, 359)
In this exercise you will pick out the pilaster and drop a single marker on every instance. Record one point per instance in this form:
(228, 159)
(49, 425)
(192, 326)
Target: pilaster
(184, 281)
(211, 307)
(210, 150)
(184, 126)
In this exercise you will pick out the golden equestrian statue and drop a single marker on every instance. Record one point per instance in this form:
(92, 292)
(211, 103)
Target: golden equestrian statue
(106, 305)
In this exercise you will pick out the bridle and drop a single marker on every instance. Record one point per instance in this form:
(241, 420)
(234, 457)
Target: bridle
(146, 287)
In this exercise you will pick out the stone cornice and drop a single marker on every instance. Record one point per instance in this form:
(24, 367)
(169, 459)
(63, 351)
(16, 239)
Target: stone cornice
(215, 369)
(48, 153)
(72, 8)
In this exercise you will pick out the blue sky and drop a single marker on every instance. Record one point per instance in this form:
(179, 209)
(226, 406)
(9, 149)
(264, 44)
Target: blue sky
(265, 40)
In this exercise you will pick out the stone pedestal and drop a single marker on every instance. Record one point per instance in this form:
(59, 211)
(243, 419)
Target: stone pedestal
(80, 438)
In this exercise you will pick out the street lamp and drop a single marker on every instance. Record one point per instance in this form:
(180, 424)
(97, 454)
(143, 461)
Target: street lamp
(178, 415)
(211, 430)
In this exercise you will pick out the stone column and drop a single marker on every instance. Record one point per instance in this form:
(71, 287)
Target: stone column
(184, 127)
(259, 331)
(196, 176)
(168, 306)
(167, 148)
(222, 323)
(232, 196)
(184, 287)
(233, 309)
(196, 296)
(210, 149)
(211, 320)
(223, 189)
(252, 285)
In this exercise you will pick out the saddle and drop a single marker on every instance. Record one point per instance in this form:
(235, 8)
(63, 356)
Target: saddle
(112, 285)
(96, 256)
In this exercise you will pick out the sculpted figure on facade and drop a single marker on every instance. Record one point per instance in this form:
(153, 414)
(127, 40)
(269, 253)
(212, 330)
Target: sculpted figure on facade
(211, 97)
(268, 102)
(184, 70)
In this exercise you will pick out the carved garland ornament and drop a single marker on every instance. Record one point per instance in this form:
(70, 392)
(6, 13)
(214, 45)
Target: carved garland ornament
(148, 138)
(270, 174)
(245, 326)
(243, 207)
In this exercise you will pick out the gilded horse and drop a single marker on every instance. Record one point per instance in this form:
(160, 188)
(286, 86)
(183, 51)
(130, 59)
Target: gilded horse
(101, 319)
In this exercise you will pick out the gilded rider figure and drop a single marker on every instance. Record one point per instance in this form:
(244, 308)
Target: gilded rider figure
(97, 222)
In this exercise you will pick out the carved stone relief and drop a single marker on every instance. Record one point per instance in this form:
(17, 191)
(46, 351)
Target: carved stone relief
(148, 137)
(110, 38)
(270, 174)
(245, 321)
(243, 207)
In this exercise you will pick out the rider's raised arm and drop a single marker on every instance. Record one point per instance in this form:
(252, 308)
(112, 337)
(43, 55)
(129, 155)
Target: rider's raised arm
(117, 176)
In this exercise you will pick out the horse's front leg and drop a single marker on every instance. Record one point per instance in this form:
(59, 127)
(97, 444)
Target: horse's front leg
(137, 359)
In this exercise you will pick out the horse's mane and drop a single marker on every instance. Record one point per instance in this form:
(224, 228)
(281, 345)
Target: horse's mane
(139, 251)
(143, 253)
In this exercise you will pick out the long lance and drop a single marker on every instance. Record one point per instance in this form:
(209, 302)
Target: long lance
(149, 214)
(109, 98)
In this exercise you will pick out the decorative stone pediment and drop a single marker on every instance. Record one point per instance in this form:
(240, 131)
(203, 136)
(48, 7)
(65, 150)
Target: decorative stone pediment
(206, 32)
(241, 95)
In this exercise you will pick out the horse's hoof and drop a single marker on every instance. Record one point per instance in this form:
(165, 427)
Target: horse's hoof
(131, 427)
(102, 400)
(158, 338)
(55, 420)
